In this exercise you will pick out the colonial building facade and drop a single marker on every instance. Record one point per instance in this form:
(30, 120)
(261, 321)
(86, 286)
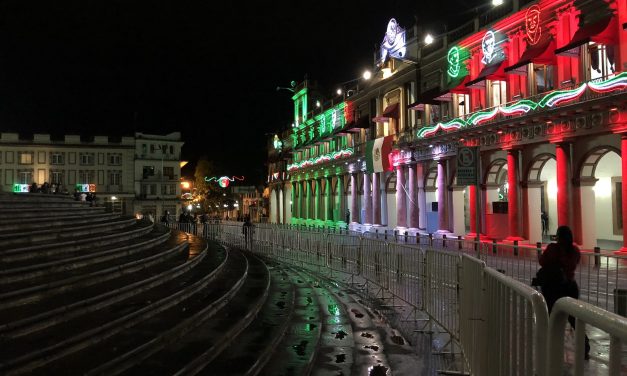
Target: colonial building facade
(113, 168)
(511, 125)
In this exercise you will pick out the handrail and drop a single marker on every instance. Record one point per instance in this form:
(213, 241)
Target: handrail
(614, 325)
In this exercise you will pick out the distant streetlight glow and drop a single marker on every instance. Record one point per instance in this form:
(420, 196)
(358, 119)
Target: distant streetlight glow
(497, 2)
(429, 39)
(367, 75)
(339, 91)
(318, 104)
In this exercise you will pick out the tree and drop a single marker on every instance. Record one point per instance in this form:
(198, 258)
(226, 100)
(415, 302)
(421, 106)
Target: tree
(205, 192)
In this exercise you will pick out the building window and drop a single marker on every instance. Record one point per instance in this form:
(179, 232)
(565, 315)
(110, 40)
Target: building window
(25, 176)
(153, 189)
(144, 189)
(543, 76)
(115, 177)
(86, 177)
(25, 157)
(602, 60)
(463, 105)
(86, 159)
(57, 158)
(168, 172)
(144, 149)
(497, 93)
(56, 177)
(115, 159)
(168, 189)
(148, 171)
(152, 148)
(172, 149)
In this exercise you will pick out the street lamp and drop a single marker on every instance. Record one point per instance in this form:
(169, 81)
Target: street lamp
(428, 39)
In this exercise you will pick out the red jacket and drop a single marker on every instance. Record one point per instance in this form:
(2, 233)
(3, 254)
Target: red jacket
(568, 260)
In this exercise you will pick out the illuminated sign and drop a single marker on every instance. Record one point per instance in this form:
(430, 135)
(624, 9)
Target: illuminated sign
(491, 49)
(393, 42)
(21, 188)
(86, 187)
(532, 24)
(457, 62)
(224, 181)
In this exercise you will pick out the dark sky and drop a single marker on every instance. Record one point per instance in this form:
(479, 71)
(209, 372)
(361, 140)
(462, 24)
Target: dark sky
(206, 68)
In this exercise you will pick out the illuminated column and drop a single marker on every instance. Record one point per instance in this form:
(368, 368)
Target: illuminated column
(588, 213)
(534, 211)
(422, 197)
(367, 200)
(513, 207)
(442, 188)
(339, 199)
(623, 151)
(308, 199)
(376, 198)
(413, 203)
(329, 191)
(472, 209)
(562, 154)
(401, 198)
(354, 190)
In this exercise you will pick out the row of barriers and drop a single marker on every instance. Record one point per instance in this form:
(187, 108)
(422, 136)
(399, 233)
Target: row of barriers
(478, 294)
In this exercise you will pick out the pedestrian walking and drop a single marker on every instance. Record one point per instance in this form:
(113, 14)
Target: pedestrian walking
(247, 230)
(556, 276)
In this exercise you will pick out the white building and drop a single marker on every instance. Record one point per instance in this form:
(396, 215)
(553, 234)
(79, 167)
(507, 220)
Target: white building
(113, 166)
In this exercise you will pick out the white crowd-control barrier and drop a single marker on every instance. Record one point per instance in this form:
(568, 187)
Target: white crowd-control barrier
(479, 294)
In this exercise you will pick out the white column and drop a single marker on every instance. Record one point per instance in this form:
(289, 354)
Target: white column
(534, 211)
(459, 225)
(422, 196)
(588, 214)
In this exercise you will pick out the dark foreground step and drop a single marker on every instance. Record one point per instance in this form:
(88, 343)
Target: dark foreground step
(51, 220)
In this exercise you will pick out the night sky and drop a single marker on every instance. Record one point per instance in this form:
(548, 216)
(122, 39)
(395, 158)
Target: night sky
(208, 69)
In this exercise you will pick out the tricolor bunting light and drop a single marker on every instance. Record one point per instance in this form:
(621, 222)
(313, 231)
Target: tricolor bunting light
(321, 159)
(223, 181)
(519, 108)
(618, 82)
(560, 96)
(481, 116)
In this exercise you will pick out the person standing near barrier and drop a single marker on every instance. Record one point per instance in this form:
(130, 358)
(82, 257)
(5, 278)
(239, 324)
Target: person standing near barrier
(247, 229)
(557, 276)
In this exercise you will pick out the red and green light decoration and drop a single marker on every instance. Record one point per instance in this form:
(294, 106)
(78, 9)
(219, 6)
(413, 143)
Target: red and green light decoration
(322, 124)
(552, 99)
(224, 181)
(321, 159)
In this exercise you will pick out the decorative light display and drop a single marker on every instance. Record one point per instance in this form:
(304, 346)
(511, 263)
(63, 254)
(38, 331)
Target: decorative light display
(321, 159)
(321, 125)
(21, 188)
(86, 187)
(560, 96)
(277, 143)
(454, 62)
(532, 24)
(618, 82)
(523, 106)
(223, 181)
(488, 47)
(393, 42)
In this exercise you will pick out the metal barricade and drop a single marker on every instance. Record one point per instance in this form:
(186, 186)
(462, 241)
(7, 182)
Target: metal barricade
(441, 289)
(585, 314)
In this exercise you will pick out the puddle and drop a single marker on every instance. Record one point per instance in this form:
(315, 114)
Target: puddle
(378, 371)
(398, 340)
(367, 335)
(300, 349)
(340, 358)
(357, 313)
(373, 347)
(341, 334)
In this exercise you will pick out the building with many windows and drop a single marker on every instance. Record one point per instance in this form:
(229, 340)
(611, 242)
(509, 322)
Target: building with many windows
(111, 167)
(516, 116)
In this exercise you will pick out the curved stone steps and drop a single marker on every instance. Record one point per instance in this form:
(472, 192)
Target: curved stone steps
(101, 258)
(203, 334)
(42, 201)
(64, 232)
(7, 214)
(296, 353)
(13, 298)
(135, 331)
(252, 349)
(122, 293)
(50, 220)
(26, 253)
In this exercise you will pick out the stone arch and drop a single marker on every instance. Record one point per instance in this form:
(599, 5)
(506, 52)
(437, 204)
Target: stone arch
(591, 159)
(536, 165)
(494, 172)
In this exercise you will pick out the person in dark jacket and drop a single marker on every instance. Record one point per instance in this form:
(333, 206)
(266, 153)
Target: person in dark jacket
(560, 260)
